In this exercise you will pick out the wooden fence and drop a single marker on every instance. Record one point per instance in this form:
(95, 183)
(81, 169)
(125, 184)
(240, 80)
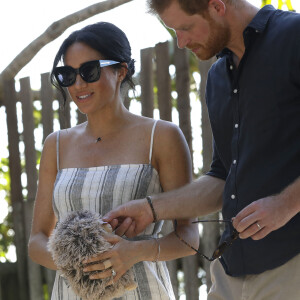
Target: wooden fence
(31, 278)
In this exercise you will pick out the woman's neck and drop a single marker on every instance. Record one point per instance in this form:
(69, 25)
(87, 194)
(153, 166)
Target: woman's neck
(107, 122)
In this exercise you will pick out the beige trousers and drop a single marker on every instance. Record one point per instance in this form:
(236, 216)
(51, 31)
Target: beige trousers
(282, 283)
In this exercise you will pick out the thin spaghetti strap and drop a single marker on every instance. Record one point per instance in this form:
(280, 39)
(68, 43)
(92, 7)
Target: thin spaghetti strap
(57, 150)
(151, 143)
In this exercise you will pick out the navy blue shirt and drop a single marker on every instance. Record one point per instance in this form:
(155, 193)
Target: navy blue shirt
(255, 117)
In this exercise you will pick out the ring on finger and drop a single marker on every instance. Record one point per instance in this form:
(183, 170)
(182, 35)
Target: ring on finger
(107, 263)
(113, 273)
(259, 227)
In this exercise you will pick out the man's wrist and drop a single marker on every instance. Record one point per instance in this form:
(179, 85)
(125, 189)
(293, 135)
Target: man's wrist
(154, 214)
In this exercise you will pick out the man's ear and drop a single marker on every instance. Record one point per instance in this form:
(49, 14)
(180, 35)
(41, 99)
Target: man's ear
(217, 7)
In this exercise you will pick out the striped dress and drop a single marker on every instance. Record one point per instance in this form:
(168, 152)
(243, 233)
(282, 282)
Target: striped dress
(100, 189)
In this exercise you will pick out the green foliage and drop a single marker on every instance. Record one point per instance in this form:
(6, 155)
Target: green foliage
(6, 233)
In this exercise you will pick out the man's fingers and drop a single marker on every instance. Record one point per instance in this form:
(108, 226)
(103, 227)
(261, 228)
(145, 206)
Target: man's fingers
(245, 217)
(131, 231)
(114, 214)
(114, 223)
(123, 227)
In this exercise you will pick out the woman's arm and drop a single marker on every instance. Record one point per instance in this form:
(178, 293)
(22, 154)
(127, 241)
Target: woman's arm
(171, 158)
(43, 216)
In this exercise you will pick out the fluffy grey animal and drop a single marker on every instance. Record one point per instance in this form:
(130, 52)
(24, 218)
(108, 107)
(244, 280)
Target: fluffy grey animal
(76, 238)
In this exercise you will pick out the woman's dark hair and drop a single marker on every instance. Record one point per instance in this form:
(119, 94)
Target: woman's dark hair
(106, 38)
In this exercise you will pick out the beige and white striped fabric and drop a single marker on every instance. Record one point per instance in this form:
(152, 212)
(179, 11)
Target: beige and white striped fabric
(100, 189)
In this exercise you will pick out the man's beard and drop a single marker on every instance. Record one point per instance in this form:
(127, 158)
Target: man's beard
(217, 41)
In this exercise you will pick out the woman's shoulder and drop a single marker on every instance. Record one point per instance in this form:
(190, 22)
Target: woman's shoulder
(165, 133)
(66, 134)
(164, 127)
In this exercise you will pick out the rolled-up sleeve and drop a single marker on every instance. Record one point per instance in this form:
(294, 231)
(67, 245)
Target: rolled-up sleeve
(217, 168)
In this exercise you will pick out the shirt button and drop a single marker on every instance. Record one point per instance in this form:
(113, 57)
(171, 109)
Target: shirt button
(235, 91)
(234, 162)
(231, 67)
(232, 196)
(236, 125)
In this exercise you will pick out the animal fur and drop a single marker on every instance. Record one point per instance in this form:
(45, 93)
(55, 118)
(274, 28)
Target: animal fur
(77, 237)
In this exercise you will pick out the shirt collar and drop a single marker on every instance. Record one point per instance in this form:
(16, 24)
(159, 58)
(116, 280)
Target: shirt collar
(261, 19)
(258, 24)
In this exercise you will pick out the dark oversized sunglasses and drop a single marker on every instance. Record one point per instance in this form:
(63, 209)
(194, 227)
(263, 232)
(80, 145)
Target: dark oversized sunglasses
(220, 249)
(89, 71)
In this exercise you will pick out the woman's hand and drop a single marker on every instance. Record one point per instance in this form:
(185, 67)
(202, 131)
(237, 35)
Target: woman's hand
(120, 258)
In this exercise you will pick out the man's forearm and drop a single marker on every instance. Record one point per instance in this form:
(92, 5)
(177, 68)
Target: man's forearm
(201, 197)
(291, 196)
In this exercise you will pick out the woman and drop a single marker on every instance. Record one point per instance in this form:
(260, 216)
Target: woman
(112, 158)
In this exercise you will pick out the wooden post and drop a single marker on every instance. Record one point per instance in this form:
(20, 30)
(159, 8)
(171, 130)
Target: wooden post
(211, 231)
(181, 60)
(147, 96)
(47, 95)
(127, 101)
(163, 81)
(9, 287)
(63, 111)
(47, 100)
(80, 117)
(171, 264)
(10, 100)
(204, 67)
(34, 270)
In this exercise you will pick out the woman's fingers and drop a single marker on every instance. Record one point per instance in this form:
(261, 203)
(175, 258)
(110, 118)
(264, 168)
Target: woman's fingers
(102, 275)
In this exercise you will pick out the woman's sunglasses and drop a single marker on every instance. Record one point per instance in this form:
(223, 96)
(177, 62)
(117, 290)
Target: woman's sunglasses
(220, 249)
(89, 72)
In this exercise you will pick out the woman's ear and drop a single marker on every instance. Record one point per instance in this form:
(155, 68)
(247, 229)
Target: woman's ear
(123, 71)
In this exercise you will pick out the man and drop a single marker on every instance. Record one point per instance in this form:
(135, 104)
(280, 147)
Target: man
(253, 99)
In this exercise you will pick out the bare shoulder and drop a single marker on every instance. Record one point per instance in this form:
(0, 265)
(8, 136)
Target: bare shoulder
(164, 128)
(48, 159)
(169, 144)
(50, 142)
(168, 133)
(172, 157)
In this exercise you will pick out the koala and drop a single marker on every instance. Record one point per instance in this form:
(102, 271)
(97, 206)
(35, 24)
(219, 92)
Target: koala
(75, 238)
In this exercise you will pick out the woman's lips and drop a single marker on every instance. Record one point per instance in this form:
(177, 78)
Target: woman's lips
(83, 97)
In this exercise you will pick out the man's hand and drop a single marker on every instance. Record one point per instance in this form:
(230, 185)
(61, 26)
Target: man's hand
(130, 218)
(261, 217)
